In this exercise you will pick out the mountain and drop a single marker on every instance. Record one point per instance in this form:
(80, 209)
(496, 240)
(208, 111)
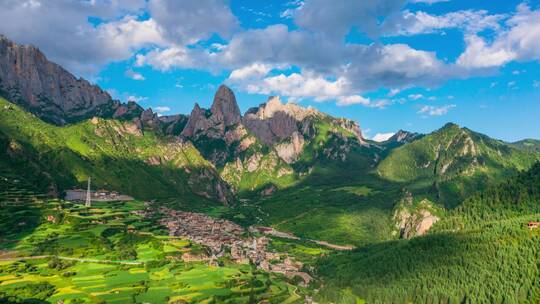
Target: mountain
(453, 162)
(402, 137)
(42, 87)
(532, 145)
(269, 146)
(53, 94)
(480, 252)
(116, 154)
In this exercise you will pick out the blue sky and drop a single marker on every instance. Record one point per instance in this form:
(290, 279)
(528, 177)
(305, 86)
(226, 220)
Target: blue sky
(388, 64)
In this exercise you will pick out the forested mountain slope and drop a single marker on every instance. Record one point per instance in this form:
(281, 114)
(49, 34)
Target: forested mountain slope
(453, 162)
(481, 252)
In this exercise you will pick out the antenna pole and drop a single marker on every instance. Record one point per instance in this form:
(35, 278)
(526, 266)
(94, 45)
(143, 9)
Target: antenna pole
(88, 195)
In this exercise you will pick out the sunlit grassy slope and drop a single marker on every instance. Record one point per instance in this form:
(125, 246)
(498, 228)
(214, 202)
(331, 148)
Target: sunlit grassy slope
(114, 153)
(454, 162)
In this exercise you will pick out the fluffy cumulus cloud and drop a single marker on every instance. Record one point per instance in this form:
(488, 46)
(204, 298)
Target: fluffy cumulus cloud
(520, 41)
(309, 60)
(63, 31)
(357, 69)
(254, 71)
(186, 22)
(336, 18)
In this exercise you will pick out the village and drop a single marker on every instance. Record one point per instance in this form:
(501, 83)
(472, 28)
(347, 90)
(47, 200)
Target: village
(223, 236)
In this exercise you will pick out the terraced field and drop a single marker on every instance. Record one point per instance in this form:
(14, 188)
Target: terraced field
(110, 254)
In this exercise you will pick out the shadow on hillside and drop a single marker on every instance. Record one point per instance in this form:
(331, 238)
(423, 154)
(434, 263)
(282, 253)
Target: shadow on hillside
(339, 202)
(61, 168)
(407, 262)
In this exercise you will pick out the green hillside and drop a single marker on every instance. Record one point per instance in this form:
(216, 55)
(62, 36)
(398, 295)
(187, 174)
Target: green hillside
(115, 154)
(482, 252)
(453, 162)
(532, 145)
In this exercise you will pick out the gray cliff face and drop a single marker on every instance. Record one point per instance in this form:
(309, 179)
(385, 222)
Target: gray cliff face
(46, 89)
(214, 123)
(272, 121)
(224, 108)
(215, 132)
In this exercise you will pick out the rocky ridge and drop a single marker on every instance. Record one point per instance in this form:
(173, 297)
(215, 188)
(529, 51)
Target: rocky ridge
(413, 219)
(264, 143)
(44, 88)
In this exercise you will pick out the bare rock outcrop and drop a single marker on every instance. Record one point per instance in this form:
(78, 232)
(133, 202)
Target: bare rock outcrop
(290, 150)
(214, 123)
(273, 121)
(414, 219)
(403, 137)
(46, 89)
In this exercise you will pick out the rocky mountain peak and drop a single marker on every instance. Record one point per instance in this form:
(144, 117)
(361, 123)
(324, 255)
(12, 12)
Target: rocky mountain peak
(224, 108)
(403, 136)
(46, 89)
(195, 121)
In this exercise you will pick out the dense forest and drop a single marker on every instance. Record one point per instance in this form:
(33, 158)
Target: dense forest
(482, 252)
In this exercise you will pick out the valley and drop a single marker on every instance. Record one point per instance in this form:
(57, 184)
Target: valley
(279, 204)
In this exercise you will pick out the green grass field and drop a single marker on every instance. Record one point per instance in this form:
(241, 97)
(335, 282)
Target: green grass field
(90, 256)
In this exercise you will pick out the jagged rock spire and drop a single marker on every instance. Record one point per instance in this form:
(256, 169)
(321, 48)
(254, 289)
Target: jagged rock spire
(195, 119)
(224, 108)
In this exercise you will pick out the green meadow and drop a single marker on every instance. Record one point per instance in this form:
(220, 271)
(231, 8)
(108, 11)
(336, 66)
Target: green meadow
(109, 254)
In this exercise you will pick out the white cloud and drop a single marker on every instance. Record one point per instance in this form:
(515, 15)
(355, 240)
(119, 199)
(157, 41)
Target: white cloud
(256, 70)
(62, 31)
(162, 109)
(416, 96)
(395, 66)
(436, 111)
(380, 137)
(536, 84)
(419, 22)
(86, 47)
(353, 99)
(479, 55)
(336, 18)
(520, 42)
(173, 57)
(255, 79)
(134, 75)
(186, 22)
(299, 85)
(393, 92)
(136, 98)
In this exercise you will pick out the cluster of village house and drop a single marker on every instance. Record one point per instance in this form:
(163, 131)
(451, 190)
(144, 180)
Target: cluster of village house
(219, 234)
